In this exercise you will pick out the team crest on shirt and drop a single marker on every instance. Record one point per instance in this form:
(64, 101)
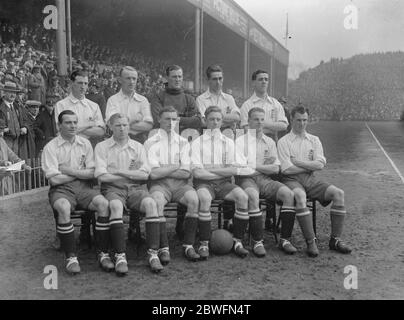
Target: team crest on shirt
(228, 109)
(134, 165)
(82, 162)
(311, 154)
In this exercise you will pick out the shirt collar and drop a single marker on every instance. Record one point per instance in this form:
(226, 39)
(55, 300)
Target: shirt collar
(61, 141)
(264, 137)
(209, 94)
(217, 134)
(255, 98)
(160, 135)
(134, 95)
(74, 100)
(295, 136)
(131, 143)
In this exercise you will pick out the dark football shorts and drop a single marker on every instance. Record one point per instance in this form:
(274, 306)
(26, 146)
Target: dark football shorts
(79, 193)
(130, 195)
(314, 188)
(265, 186)
(218, 189)
(173, 189)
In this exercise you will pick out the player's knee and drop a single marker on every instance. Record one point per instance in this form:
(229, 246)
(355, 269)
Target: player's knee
(159, 198)
(149, 207)
(192, 201)
(116, 208)
(286, 195)
(253, 196)
(338, 194)
(101, 205)
(63, 207)
(205, 200)
(300, 197)
(241, 198)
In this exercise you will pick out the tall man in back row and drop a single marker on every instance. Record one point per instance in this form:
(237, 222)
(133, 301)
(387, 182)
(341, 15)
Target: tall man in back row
(215, 96)
(135, 106)
(275, 119)
(301, 154)
(90, 122)
(174, 95)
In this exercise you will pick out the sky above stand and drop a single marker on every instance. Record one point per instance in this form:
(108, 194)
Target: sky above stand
(317, 31)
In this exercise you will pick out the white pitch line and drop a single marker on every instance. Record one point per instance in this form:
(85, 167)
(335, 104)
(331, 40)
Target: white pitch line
(385, 153)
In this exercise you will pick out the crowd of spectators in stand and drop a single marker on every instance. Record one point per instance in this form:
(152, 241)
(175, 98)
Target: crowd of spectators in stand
(364, 87)
(28, 60)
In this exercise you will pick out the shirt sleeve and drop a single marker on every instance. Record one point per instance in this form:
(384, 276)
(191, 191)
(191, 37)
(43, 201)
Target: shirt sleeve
(57, 111)
(201, 106)
(50, 164)
(145, 167)
(101, 165)
(110, 109)
(318, 151)
(152, 150)
(90, 163)
(146, 111)
(99, 122)
(196, 162)
(237, 157)
(284, 154)
(185, 158)
(244, 115)
(273, 152)
(281, 112)
(233, 106)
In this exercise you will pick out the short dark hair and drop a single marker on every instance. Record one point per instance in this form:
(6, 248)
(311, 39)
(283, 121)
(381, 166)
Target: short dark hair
(255, 109)
(213, 68)
(172, 67)
(63, 113)
(211, 109)
(168, 109)
(117, 116)
(128, 68)
(78, 73)
(299, 109)
(256, 73)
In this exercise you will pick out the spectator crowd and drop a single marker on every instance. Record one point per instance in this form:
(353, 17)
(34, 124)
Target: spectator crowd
(364, 87)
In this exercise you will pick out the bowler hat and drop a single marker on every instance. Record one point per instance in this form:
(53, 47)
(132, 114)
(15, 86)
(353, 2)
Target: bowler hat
(33, 103)
(10, 86)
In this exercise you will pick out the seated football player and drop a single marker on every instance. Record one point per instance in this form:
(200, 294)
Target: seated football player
(122, 169)
(214, 163)
(262, 156)
(169, 160)
(68, 163)
(301, 155)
